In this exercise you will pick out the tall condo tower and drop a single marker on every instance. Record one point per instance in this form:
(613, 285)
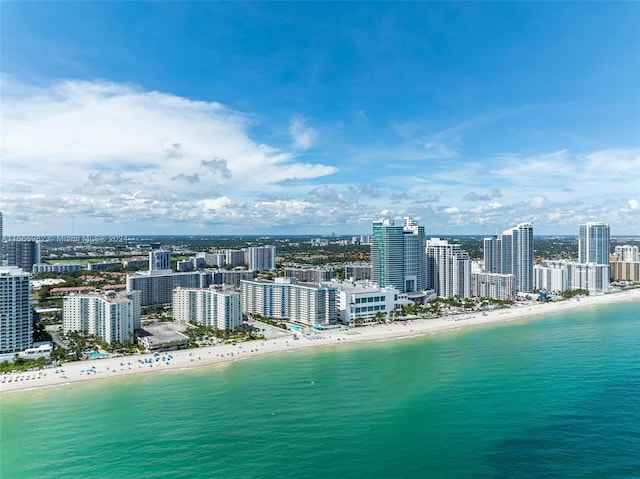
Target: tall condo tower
(159, 259)
(511, 252)
(23, 254)
(398, 255)
(15, 310)
(593, 243)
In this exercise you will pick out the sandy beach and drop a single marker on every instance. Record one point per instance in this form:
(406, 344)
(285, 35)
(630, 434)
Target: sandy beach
(75, 372)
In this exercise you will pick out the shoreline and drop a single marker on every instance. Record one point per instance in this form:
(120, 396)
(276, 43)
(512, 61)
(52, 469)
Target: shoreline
(97, 369)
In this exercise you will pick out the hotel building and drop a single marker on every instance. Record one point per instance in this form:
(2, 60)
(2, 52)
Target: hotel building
(111, 316)
(216, 308)
(285, 299)
(363, 300)
(448, 269)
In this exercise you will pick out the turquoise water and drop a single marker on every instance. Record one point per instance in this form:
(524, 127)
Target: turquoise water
(97, 355)
(557, 397)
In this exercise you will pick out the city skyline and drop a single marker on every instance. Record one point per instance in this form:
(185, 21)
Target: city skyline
(313, 118)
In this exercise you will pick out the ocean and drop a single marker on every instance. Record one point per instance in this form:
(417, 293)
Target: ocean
(552, 397)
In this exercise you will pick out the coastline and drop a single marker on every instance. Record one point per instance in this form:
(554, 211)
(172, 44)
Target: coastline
(97, 369)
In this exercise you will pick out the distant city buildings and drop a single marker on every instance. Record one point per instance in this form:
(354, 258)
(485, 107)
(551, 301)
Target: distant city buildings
(23, 254)
(216, 308)
(156, 287)
(448, 269)
(284, 299)
(627, 253)
(511, 252)
(398, 255)
(111, 316)
(159, 260)
(16, 330)
(358, 271)
(309, 275)
(262, 258)
(56, 268)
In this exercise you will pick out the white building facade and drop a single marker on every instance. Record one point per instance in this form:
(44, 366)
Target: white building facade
(216, 308)
(284, 299)
(363, 301)
(111, 316)
(493, 285)
(448, 269)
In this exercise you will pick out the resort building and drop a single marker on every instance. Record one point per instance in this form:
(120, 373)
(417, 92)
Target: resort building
(216, 308)
(448, 269)
(16, 330)
(285, 299)
(398, 256)
(262, 258)
(593, 243)
(511, 252)
(559, 276)
(23, 254)
(363, 301)
(111, 316)
(493, 285)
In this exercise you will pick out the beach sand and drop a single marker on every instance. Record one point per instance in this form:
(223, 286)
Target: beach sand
(79, 371)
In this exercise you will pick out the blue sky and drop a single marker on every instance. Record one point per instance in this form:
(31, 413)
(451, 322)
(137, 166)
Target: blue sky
(266, 118)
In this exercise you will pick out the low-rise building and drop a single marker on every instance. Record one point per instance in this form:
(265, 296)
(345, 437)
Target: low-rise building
(363, 301)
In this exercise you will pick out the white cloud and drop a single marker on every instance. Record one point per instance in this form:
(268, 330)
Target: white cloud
(303, 135)
(99, 142)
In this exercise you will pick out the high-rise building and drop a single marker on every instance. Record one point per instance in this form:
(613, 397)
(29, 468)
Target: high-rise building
(448, 269)
(284, 299)
(262, 258)
(1, 240)
(157, 286)
(593, 243)
(111, 316)
(23, 254)
(397, 255)
(493, 285)
(511, 252)
(16, 330)
(159, 260)
(216, 308)
(627, 253)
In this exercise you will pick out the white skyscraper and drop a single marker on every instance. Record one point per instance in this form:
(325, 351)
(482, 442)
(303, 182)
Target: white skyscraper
(16, 330)
(511, 252)
(110, 315)
(219, 309)
(448, 269)
(593, 243)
